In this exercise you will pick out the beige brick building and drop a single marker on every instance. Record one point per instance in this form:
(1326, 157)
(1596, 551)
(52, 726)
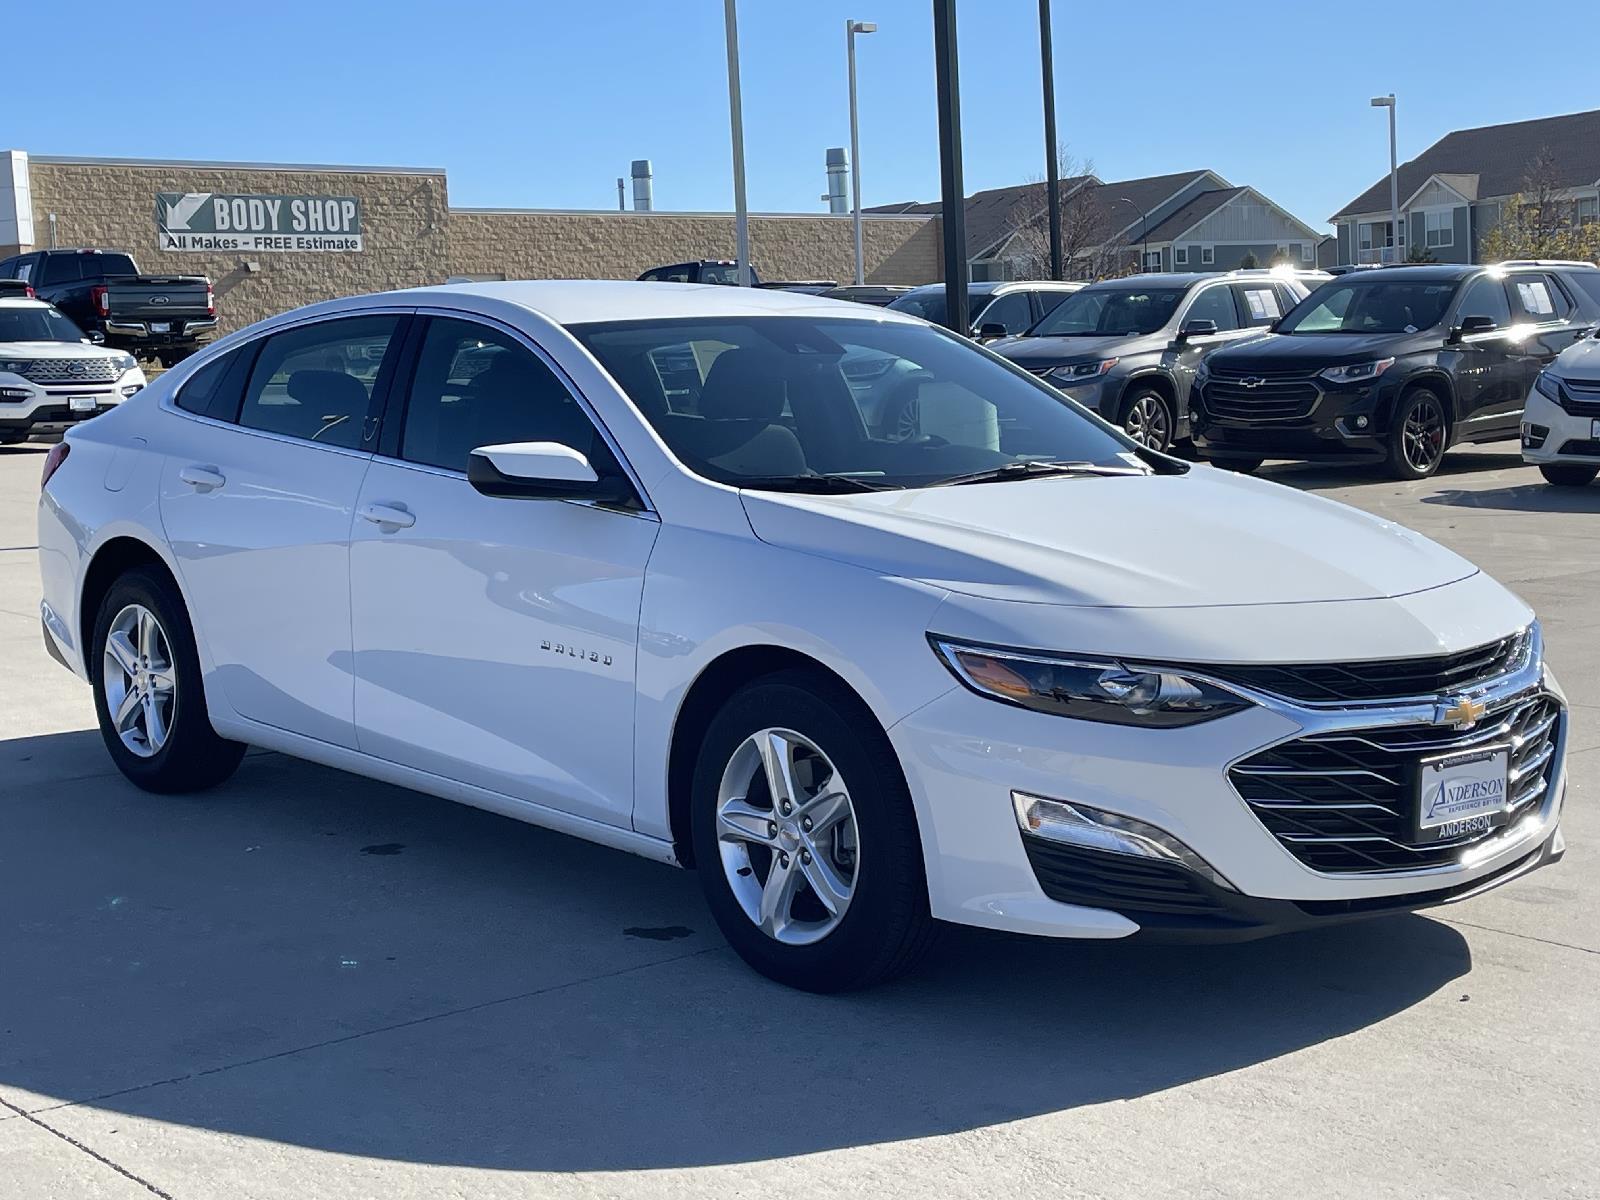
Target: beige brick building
(410, 235)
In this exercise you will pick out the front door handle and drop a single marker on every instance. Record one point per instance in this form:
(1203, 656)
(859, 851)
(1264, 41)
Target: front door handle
(387, 517)
(202, 479)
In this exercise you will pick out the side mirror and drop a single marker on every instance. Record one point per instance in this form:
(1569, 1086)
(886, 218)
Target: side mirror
(1194, 329)
(991, 330)
(96, 338)
(541, 471)
(1471, 325)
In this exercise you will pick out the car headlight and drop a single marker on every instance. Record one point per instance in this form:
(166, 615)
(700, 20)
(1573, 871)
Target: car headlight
(13, 367)
(1105, 690)
(1357, 372)
(1549, 385)
(1081, 372)
(127, 362)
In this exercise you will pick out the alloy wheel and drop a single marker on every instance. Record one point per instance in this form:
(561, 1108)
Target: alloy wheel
(139, 680)
(1147, 423)
(786, 830)
(1422, 439)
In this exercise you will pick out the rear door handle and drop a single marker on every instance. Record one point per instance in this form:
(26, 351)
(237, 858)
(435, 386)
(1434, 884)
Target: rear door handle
(203, 479)
(387, 517)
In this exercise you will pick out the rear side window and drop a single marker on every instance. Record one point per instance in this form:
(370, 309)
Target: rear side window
(1259, 303)
(316, 382)
(1539, 298)
(61, 268)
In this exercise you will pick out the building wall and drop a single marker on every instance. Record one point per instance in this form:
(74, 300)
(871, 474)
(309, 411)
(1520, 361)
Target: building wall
(601, 245)
(405, 224)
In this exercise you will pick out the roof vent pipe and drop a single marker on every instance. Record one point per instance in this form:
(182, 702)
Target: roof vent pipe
(643, 191)
(838, 197)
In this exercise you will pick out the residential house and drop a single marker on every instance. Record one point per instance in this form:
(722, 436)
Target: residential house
(1452, 193)
(1188, 221)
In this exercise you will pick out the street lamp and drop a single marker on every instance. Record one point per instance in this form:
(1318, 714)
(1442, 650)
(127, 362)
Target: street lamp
(741, 213)
(1394, 173)
(1144, 233)
(851, 28)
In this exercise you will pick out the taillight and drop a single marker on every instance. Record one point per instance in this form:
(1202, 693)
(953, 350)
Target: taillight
(211, 303)
(29, 289)
(52, 462)
(101, 299)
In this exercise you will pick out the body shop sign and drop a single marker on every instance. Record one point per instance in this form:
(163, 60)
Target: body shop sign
(228, 222)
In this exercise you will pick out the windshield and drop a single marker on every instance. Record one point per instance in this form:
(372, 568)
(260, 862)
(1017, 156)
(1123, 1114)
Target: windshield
(37, 325)
(1099, 312)
(929, 305)
(783, 402)
(1375, 306)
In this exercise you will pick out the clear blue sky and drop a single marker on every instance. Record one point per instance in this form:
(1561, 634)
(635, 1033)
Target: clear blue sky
(542, 103)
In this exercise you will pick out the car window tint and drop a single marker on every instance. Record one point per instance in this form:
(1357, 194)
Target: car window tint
(316, 382)
(1587, 282)
(1050, 301)
(475, 386)
(198, 392)
(61, 268)
(1486, 297)
(1540, 298)
(1214, 304)
(1259, 303)
(1011, 310)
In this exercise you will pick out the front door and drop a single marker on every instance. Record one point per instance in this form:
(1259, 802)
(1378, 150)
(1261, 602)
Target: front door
(257, 496)
(1487, 368)
(495, 639)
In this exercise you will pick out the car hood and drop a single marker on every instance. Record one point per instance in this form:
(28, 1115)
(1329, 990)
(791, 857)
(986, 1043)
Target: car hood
(1315, 349)
(32, 350)
(1204, 538)
(1054, 351)
(1580, 360)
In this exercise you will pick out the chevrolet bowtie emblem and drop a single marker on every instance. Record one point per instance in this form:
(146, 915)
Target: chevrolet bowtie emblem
(1463, 714)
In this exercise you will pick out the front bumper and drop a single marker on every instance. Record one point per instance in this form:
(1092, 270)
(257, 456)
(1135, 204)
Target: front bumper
(966, 755)
(1551, 434)
(29, 407)
(1343, 423)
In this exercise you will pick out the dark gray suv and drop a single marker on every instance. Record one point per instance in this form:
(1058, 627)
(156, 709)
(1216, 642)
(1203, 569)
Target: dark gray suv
(1128, 348)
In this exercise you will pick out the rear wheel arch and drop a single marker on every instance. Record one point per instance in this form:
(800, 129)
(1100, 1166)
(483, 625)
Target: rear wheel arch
(110, 562)
(705, 697)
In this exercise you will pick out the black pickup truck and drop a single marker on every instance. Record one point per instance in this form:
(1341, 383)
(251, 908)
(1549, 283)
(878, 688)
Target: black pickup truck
(165, 317)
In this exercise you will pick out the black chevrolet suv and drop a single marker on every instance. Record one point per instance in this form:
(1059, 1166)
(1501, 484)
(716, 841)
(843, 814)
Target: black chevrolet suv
(1393, 365)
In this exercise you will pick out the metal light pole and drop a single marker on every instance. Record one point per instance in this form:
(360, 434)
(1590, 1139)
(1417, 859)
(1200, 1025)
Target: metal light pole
(1052, 165)
(1394, 173)
(1144, 233)
(952, 209)
(851, 28)
(741, 215)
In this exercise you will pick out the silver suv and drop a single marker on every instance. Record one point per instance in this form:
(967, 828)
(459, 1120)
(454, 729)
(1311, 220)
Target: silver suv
(1561, 420)
(1128, 348)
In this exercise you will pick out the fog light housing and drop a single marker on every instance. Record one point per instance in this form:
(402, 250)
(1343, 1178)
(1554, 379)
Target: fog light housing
(131, 389)
(1110, 833)
(1533, 436)
(1362, 422)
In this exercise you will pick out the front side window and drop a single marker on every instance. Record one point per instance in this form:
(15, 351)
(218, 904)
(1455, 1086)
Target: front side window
(1011, 311)
(783, 402)
(475, 386)
(1371, 306)
(316, 382)
(1104, 311)
(37, 325)
(1213, 304)
(1486, 297)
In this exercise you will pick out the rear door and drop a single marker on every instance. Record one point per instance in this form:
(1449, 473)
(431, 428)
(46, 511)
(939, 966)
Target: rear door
(257, 497)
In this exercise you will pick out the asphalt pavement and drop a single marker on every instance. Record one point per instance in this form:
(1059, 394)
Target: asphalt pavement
(304, 984)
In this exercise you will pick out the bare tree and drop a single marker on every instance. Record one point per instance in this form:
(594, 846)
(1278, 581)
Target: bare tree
(1540, 221)
(1085, 226)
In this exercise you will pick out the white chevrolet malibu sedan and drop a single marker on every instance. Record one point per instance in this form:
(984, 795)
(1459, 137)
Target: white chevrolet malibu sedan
(866, 624)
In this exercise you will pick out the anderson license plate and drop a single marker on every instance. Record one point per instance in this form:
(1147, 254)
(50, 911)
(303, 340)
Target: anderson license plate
(1459, 795)
(81, 403)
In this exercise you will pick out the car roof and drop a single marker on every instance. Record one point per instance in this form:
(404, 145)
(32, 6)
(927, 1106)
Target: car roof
(23, 302)
(1424, 272)
(1179, 279)
(582, 301)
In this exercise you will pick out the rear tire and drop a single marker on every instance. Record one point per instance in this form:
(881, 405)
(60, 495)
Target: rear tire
(757, 859)
(1243, 466)
(148, 693)
(1419, 434)
(1573, 475)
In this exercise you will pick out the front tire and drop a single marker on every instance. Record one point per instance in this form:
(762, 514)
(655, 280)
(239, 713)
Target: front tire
(1574, 475)
(1148, 420)
(805, 837)
(1419, 435)
(148, 694)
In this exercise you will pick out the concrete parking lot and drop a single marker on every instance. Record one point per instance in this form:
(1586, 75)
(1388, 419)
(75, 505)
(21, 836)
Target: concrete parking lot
(305, 984)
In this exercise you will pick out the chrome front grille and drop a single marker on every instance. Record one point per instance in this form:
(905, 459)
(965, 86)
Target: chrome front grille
(1344, 801)
(1249, 395)
(73, 370)
(1384, 679)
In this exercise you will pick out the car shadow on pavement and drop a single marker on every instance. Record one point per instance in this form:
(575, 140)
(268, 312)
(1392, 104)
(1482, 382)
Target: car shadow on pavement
(1320, 477)
(1537, 497)
(326, 962)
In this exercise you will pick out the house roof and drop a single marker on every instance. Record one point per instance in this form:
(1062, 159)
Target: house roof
(1192, 213)
(1499, 156)
(1118, 201)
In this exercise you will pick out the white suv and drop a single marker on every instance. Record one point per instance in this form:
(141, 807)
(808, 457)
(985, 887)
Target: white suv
(51, 375)
(1561, 421)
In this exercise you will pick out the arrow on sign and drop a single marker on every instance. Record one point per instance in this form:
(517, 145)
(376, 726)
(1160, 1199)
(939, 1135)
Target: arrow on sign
(185, 207)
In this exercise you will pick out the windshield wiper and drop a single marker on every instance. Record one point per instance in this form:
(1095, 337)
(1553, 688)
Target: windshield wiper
(1031, 469)
(820, 484)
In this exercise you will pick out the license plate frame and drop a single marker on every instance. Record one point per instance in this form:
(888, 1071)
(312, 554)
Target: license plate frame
(82, 404)
(1594, 429)
(1463, 793)
(160, 326)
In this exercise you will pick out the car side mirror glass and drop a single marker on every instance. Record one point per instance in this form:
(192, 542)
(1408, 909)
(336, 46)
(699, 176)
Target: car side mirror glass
(1196, 328)
(1472, 325)
(541, 471)
(95, 338)
(990, 330)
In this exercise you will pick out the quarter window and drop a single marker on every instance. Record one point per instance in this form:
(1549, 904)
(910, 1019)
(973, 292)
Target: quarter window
(475, 386)
(1214, 304)
(316, 382)
(201, 392)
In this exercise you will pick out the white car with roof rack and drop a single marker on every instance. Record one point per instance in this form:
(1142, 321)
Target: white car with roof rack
(51, 375)
(627, 561)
